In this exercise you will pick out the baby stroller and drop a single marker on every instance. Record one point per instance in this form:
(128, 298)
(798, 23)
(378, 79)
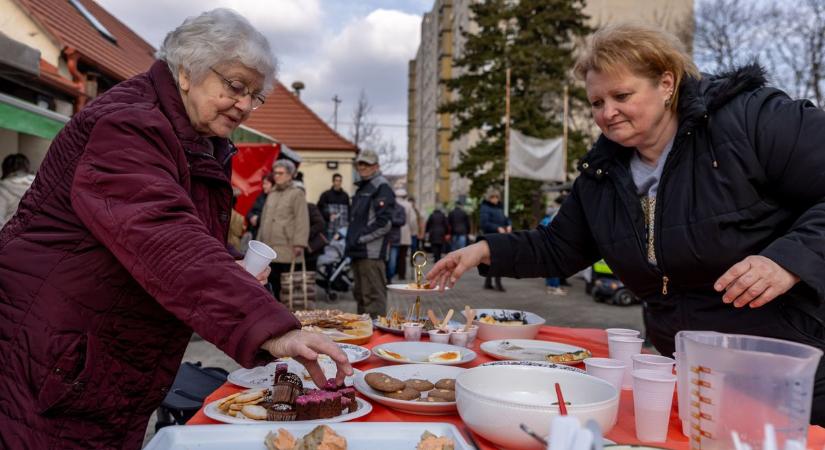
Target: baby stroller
(333, 267)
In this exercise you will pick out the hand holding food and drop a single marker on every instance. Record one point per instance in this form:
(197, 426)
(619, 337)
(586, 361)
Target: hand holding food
(449, 269)
(262, 277)
(304, 347)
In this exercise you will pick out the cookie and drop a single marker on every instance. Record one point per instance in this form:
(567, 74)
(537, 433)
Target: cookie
(419, 385)
(407, 393)
(384, 383)
(445, 394)
(446, 383)
(254, 412)
(250, 396)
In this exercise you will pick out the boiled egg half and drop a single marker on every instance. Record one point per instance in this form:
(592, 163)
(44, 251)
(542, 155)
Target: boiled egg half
(442, 357)
(391, 355)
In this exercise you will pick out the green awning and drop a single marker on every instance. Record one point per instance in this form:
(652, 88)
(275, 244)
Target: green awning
(23, 117)
(246, 135)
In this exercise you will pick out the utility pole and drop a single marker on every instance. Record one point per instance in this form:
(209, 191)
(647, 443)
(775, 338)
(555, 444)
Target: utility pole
(336, 101)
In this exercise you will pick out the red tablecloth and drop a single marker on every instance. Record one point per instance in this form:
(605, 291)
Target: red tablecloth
(592, 339)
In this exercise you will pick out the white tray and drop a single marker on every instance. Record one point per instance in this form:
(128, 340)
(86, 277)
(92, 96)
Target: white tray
(418, 352)
(262, 376)
(403, 288)
(359, 436)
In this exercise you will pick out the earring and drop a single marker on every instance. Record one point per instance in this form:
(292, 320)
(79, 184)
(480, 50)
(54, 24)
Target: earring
(669, 100)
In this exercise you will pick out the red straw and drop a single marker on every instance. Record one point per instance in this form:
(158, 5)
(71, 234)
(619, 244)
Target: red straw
(560, 398)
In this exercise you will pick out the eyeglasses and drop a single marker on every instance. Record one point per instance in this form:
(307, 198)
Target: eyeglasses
(237, 90)
(279, 173)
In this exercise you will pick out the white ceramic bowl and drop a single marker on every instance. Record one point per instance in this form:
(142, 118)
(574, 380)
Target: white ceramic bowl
(494, 400)
(489, 332)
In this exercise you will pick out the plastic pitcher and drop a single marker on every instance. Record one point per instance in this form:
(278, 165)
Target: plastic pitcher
(740, 383)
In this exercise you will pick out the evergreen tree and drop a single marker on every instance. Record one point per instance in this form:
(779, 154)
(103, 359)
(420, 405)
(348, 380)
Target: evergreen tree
(535, 38)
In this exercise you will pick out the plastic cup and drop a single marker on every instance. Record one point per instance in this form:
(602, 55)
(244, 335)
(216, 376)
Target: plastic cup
(623, 348)
(473, 330)
(622, 332)
(258, 257)
(412, 331)
(653, 362)
(610, 370)
(441, 338)
(459, 338)
(652, 398)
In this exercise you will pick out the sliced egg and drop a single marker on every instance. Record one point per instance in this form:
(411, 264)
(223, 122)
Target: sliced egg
(391, 355)
(450, 356)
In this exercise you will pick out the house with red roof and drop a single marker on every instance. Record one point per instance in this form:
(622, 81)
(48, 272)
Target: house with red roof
(323, 151)
(55, 56)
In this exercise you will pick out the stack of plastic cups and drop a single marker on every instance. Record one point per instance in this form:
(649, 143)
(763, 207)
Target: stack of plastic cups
(653, 362)
(621, 332)
(623, 348)
(652, 399)
(610, 370)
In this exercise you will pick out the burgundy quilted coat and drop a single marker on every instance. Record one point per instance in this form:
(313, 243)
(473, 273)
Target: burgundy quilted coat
(116, 254)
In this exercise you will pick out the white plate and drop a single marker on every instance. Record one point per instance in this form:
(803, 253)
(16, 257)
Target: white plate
(355, 353)
(402, 288)
(429, 372)
(359, 435)
(531, 349)
(264, 375)
(211, 410)
(419, 352)
(533, 364)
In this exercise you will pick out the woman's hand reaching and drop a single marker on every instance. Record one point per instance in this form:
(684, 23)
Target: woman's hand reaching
(449, 269)
(305, 347)
(755, 280)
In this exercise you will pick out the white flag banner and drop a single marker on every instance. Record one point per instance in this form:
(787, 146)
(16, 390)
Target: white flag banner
(536, 159)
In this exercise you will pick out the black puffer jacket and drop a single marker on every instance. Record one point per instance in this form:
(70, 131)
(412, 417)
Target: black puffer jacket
(744, 177)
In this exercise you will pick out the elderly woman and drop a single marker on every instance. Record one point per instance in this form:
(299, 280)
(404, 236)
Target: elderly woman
(284, 222)
(704, 194)
(118, 251)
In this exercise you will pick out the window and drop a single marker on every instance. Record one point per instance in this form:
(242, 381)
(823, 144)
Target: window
(93, 20)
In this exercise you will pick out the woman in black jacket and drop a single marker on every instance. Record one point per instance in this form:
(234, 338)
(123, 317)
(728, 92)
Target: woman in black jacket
(705, 195)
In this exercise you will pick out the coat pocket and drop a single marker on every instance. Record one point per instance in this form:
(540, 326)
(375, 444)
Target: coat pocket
(87, 381)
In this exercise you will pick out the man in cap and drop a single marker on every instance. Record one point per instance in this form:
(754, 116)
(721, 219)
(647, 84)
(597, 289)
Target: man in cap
(367, 235)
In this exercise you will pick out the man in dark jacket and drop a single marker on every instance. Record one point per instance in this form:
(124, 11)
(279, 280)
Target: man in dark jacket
(493, 220)
(437, 229)
(334, 205)
(459, 226)
(368, 234)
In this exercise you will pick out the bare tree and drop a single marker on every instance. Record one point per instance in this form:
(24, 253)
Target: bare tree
(362, 130)
(798, 50)
(365, 133)
(729, 33)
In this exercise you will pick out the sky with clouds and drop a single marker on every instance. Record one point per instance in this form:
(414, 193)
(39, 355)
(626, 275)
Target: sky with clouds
(335, 47)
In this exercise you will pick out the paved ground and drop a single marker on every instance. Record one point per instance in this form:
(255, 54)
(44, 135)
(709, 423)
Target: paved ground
(576, 309)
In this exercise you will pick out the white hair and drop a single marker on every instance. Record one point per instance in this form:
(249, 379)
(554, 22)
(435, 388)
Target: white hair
(213, 38)
(288, 165)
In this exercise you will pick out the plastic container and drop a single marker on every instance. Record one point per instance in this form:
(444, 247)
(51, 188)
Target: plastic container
(257, 258)
(740, 383)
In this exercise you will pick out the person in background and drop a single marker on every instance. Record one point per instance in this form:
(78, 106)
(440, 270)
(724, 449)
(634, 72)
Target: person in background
(118, 250)
(236, 224)
(399, 220)
(492, 220)
(704, 194)
(552, 284)
(15, 181)
(459, 226)
(284, 222)
(334, 204)
(437, 229)
(253, 217)
(407, 231)
(317, 228)
(416, 231)
(368, 234)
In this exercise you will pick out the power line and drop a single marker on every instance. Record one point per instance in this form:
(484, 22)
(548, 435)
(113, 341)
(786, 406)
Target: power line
(393, 125)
